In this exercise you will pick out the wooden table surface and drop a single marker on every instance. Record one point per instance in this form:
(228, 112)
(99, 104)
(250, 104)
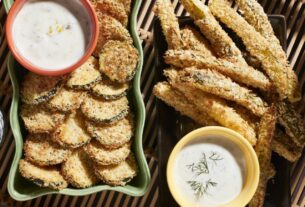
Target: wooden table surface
(293, 10)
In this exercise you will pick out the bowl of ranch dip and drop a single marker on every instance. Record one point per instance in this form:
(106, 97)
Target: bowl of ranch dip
(211, 167)
(52, 37)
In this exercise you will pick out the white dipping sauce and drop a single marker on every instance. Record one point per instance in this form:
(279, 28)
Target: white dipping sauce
(52, 34)
(210, 171)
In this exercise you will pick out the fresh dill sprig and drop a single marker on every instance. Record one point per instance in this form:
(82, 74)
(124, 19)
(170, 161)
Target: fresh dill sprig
(201, 188)
(201, 167)
(215, 157)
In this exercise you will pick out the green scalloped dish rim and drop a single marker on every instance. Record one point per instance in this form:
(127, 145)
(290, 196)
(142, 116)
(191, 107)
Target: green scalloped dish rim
(20, 189)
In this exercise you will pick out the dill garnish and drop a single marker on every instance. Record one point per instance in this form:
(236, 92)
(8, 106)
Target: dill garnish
(215, 157)
(201, 167)
(200, 188)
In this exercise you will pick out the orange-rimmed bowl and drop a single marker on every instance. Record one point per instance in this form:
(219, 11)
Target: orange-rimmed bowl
(17, 6)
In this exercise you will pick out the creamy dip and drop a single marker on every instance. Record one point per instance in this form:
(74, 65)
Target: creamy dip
(52, 34)
(210, 171)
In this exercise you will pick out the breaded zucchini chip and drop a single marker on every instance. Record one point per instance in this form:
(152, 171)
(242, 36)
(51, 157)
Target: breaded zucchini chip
(102, 111)
(110, 29)
(113, 8)
(48, 177)
(127, 5)
(103, 156)
(66, 100)
(40, 120)
(72, 132)
(118, 175)
(85, 76)
(77, 170)
(40, 150)
(118, 61)
(36, 89)
(110, 90)
(114, 135)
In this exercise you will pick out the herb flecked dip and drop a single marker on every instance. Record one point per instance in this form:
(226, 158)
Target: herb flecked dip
(210, 171)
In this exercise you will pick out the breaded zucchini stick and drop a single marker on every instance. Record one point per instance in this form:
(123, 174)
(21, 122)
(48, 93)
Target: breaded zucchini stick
(222, 44)
(193, 40)
(285, 147)
(256, 44)
(254, 13)
(293, 123)
(179, 102)
(252, 120)
(263, 151)
(214, 106)
(215, 83)
(169, 23)
(239, 73)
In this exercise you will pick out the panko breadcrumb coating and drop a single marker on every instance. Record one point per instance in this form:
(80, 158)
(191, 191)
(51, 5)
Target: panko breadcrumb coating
(48, 177)
(37, 119)
(72, 132)
(78, 170)
(118, 175)
(114, 135)
(85, 76)
(36, 89)
(110, 29)
(103, 156)
(40, 149)
(118, 61)
(110, 90)
(102, 111)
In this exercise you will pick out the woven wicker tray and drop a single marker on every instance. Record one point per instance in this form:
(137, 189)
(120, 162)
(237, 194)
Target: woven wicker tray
(293, 10)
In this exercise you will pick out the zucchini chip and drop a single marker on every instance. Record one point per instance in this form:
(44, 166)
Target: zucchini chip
(85, 76)
(39, 120)
(104, 156)
(102, 111)
(110, 90)
(118, 61)
(114, 9)
(40, 150)
(37, 89)
(66, 100)
(48, 177)
(110, 29)
(77, 170)
(118, 175)
(71, 133)
(114, 135)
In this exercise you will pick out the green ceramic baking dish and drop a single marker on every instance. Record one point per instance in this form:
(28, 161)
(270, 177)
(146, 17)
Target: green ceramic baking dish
(21, 189)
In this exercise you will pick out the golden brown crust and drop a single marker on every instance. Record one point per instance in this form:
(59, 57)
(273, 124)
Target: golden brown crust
(169, 23)
(37, 89)
(110, 29)
(257, 45)
(118, 175)
(118, 61)
(77, 170)
(103, 156)
(110, 90)
(215, 83)
(112, 8)
(72, 132)
(48, 177)
(40, 120)
(40, 150)
(179, 102)
(240, 73)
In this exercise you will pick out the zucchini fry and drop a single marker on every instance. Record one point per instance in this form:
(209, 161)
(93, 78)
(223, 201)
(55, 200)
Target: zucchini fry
(254, 14)
(263, 151)
(292, 122)
(169, 23)
(193, 40)
(256, 44)
(222, 44)
(285, 147)
(214, 106)
(178, 101)
(239, 73)
(215, 83)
